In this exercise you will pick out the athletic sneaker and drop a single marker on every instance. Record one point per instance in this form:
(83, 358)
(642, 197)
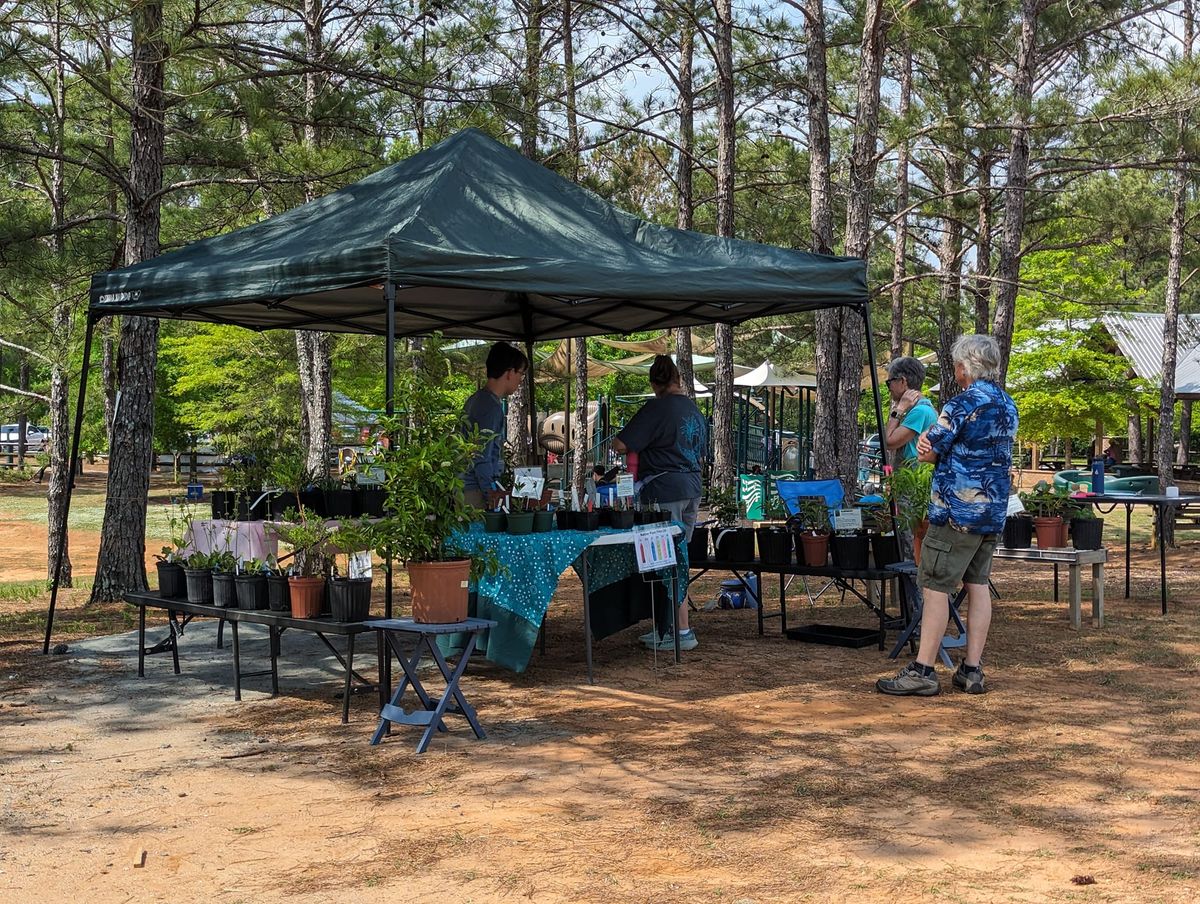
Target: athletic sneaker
(687, 641)
(910, 681)
(649, 639)
(969, 679)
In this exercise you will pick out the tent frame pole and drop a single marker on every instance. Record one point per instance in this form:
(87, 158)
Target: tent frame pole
(864, 311)
(389, 369)
(73, 465)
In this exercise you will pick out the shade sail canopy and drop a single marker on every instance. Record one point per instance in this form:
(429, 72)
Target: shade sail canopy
(767, 375)
(480, 242)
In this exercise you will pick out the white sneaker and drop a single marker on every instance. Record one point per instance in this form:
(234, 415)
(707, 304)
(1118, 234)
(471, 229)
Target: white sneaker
(687, 641)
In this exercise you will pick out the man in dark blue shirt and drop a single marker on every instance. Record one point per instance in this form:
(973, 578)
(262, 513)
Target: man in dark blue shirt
(506, 367)
(971, 449)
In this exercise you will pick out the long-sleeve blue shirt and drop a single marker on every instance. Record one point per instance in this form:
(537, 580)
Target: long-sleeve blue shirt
(484, 410)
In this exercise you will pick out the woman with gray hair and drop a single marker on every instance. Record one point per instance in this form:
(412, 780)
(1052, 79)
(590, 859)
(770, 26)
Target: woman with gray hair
(970, 447)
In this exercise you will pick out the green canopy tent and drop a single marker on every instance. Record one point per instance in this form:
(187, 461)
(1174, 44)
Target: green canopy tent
(470, 239)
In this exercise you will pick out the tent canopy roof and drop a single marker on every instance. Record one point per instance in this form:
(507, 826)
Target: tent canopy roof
(482, 243)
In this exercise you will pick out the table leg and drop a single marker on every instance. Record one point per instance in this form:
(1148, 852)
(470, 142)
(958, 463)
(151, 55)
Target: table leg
(237, 663)
(273, 640)
(587, 616)
(221, 634)
(141, 641)
(349, 672)
(1076, 594)
(175, 632)
(1128, 512)
(382, 653)
(452, 689)
(760, 602)
(1160, 520)
(882, 613)
(1056, 582)
(1098, 594)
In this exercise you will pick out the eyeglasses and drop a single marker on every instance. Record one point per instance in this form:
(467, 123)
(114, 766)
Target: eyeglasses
(890, 380)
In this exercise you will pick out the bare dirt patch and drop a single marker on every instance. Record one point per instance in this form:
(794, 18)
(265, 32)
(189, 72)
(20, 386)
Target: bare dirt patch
(759, 770)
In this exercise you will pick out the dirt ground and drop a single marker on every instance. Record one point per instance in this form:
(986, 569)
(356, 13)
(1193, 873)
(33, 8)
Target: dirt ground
(759, 770)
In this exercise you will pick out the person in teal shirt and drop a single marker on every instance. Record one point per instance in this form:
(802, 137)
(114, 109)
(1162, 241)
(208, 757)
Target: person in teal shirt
(911, 413)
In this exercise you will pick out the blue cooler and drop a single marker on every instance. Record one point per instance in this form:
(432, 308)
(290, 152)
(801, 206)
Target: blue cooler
(739, 594)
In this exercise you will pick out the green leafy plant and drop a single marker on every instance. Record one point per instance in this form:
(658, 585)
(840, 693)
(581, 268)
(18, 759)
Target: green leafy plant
(423, 467)
(1043, 502)
(253, 566)
(723, 503)
(909, 486)
(179, 522)
(773, 507)
(350, 536)
(308, 536)
(814, 515)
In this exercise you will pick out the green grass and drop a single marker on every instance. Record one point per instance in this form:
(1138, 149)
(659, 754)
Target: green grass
(87, 512)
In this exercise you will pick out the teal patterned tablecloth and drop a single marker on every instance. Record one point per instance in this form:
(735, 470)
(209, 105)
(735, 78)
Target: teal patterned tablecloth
(518, 597)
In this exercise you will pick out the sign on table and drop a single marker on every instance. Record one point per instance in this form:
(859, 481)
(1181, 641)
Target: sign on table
(654, 547)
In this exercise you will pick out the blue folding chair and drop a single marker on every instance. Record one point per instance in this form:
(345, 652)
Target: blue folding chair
(791, 492)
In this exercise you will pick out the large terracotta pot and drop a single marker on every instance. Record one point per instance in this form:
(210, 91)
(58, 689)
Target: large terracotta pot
(439, 591)
(1049, 532)
(308, 596)
(816, 549)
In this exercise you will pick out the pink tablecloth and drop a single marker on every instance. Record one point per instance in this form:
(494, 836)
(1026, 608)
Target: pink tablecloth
(245, 539)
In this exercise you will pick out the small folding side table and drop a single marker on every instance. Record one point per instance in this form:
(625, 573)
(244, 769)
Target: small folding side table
(430, 714)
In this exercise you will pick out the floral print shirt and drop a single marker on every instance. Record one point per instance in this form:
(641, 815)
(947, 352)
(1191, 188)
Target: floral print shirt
(973, 438)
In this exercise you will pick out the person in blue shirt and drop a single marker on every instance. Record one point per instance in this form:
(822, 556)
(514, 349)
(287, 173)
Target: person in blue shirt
(970, 447)
(911, 413)
(506, 367)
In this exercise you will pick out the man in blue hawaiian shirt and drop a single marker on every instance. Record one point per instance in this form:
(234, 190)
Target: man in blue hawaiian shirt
(971, 449)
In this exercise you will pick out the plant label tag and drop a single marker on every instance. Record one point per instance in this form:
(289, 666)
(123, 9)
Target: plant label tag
(848, 519)
(1014, 505)
(360, 564)
(527, 487)
(653, 547)
(625, 486)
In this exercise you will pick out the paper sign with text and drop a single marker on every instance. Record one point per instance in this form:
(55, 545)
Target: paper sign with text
(625, 486)
(848, 519)
(654, 547)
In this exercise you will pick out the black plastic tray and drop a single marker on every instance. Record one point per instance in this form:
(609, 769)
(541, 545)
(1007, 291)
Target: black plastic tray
(835, 635)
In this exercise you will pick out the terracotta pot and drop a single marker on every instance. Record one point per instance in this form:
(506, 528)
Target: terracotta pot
(308, 596)
(439, 591)
(1049, 532)
(815, 548)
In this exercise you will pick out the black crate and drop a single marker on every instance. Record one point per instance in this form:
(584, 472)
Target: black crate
(835, 635)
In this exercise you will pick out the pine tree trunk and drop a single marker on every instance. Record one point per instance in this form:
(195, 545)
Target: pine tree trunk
(685, 205)
(1185, 433)
(1009, 270)
(981, 286)
(900, 249)
(314, 355)
(1133, 428)
(121, 566)
(110, 327)
(949, 254)
(724, 463)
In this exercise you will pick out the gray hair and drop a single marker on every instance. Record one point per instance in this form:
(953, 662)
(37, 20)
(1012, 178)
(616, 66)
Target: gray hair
(912, 370)
(979, 356)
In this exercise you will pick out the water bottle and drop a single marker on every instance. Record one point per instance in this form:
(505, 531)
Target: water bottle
(1098, 474)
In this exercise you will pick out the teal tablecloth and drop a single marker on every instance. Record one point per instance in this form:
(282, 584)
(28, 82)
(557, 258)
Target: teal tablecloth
(518, 597)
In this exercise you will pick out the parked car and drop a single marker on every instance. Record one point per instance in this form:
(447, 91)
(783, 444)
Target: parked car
(36, 438)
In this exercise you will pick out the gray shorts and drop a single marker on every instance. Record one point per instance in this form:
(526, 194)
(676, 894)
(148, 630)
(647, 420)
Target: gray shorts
(951, 558)
(685, 511)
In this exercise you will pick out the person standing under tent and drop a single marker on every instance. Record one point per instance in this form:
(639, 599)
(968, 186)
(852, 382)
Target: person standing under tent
(506, 367)
(670, 437)
(911, 413)
(970, 447)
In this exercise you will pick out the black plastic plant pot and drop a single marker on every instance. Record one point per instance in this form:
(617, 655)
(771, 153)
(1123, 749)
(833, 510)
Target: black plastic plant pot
(314, 501)
(563, 518)
(543, 521)
(369, 501)
(223, 593)
(279, 596)
(339, 503)
(774, 546)
(520, 522)
(281, 502)
(623, 519)
(604, 516)
(587, 520)
(850, 552)
(495, 522)
(172, 584)
(1087, 533)
(199, 585)
(734, 544)
(698, 545)
(885, 549)
(1018, 532)
(222, 502)
(251, 590)
(349, 598)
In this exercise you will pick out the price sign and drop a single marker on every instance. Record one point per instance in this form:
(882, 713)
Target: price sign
(625, 486)
(654, 547)
(847, 519)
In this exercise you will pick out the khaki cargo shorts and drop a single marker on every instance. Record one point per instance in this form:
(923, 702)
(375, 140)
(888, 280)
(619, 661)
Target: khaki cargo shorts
(951, 558)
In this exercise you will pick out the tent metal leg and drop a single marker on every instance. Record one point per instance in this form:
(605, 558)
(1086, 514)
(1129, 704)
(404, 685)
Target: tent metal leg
(72, 463)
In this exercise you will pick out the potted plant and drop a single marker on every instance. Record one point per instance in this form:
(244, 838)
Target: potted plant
(850, 549)
(290, 477)
(543, 518)
(622, 517)
(350, 598)
(428, 454)
(1018, 531)
(774, 540)
(732, 542)
(307, 534)
(197, 570)
(813, 523)
(279, 597)
(172, 584)
(520, 517)
(223, 565)
(880, 527)
(250, 585)
(1087, 531)
(1046, 507)
(909, 487)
